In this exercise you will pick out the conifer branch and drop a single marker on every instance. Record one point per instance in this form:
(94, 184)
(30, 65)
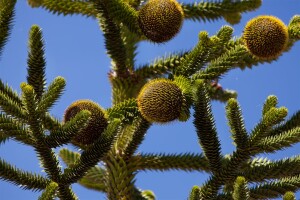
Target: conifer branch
(68, 130)
(225, 174)
(270, 103)
(120, 177)
(205, 127)
(11, 107)
(220, 94)
(207, 49)
(36, 61)
(113, 40)
(164, 162)
(30, 102)
(52, 94)
(130, 42)
(137, 132)
(289, 124)
(66, 193)
(50, 192)
(273, 117)
(14, 129)
(125, 111)
(122, 12)
(267, 170)
(210, 11)
(275, 189)
(7, 14)
(197, 57)
(187, 63)
(3, 137)
(69, 157)
(236, 123)
(10, 94)
(124, 89)
(47, 156)
(25, 180)
(221, 65)
(241, 191)
(68, 7)
(94, 177)
(92, 155)
(278, 142)
(49, 161)
(195, 193)
(161, 66)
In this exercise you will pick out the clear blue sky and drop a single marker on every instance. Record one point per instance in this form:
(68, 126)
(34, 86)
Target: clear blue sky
(75, 50)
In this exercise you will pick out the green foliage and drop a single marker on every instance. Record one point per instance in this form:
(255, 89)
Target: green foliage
(6, 18)
(210, 11)
(206, 130)
(241, 191)
(236, 123)
(195, 193)
(289, 196)
(110, 162)
(21, 178)
(94, 177)
(36, 61)
(66, 7)
(113, 41)
(52, 94)
(49, 192)
(71, 128)
(164, 162)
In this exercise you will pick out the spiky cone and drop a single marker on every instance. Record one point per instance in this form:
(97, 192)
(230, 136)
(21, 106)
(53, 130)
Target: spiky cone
(265, 37)
(96, 125)
(160, 20)
(162, 100)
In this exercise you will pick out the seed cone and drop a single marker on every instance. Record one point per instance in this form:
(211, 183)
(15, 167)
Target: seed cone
(266, 37)
(160, 101)
(160, 20)
(95, 126)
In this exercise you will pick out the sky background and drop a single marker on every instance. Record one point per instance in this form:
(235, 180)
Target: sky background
(75, 50)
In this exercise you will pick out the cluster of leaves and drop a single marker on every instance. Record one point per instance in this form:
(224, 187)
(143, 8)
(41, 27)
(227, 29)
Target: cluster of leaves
(26, 117)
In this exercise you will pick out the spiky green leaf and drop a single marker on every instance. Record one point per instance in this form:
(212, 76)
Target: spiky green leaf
(52, 94)
(68, 130)
(236, 123)
(36, 61)
(163, 162)
(50, 192)
(205, 127)
(6, 18)
(25, 180)
(241, 191)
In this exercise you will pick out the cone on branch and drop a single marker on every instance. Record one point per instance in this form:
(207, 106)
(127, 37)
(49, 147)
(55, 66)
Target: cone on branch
(95, 126)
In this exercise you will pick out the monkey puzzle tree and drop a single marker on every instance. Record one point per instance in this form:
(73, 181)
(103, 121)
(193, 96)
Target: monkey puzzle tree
(171, 88)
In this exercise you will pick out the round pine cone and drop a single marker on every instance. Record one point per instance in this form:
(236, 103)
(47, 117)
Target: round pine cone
(160, 100)
(160, 20)
(265, 37)
(94, 128)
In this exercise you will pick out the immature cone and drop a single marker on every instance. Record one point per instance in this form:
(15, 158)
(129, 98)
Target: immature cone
(95, 126)
(160, 20)
(160, 100)
(266, 37)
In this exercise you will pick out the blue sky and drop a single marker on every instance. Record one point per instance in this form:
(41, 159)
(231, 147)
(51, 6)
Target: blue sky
(75, 50)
